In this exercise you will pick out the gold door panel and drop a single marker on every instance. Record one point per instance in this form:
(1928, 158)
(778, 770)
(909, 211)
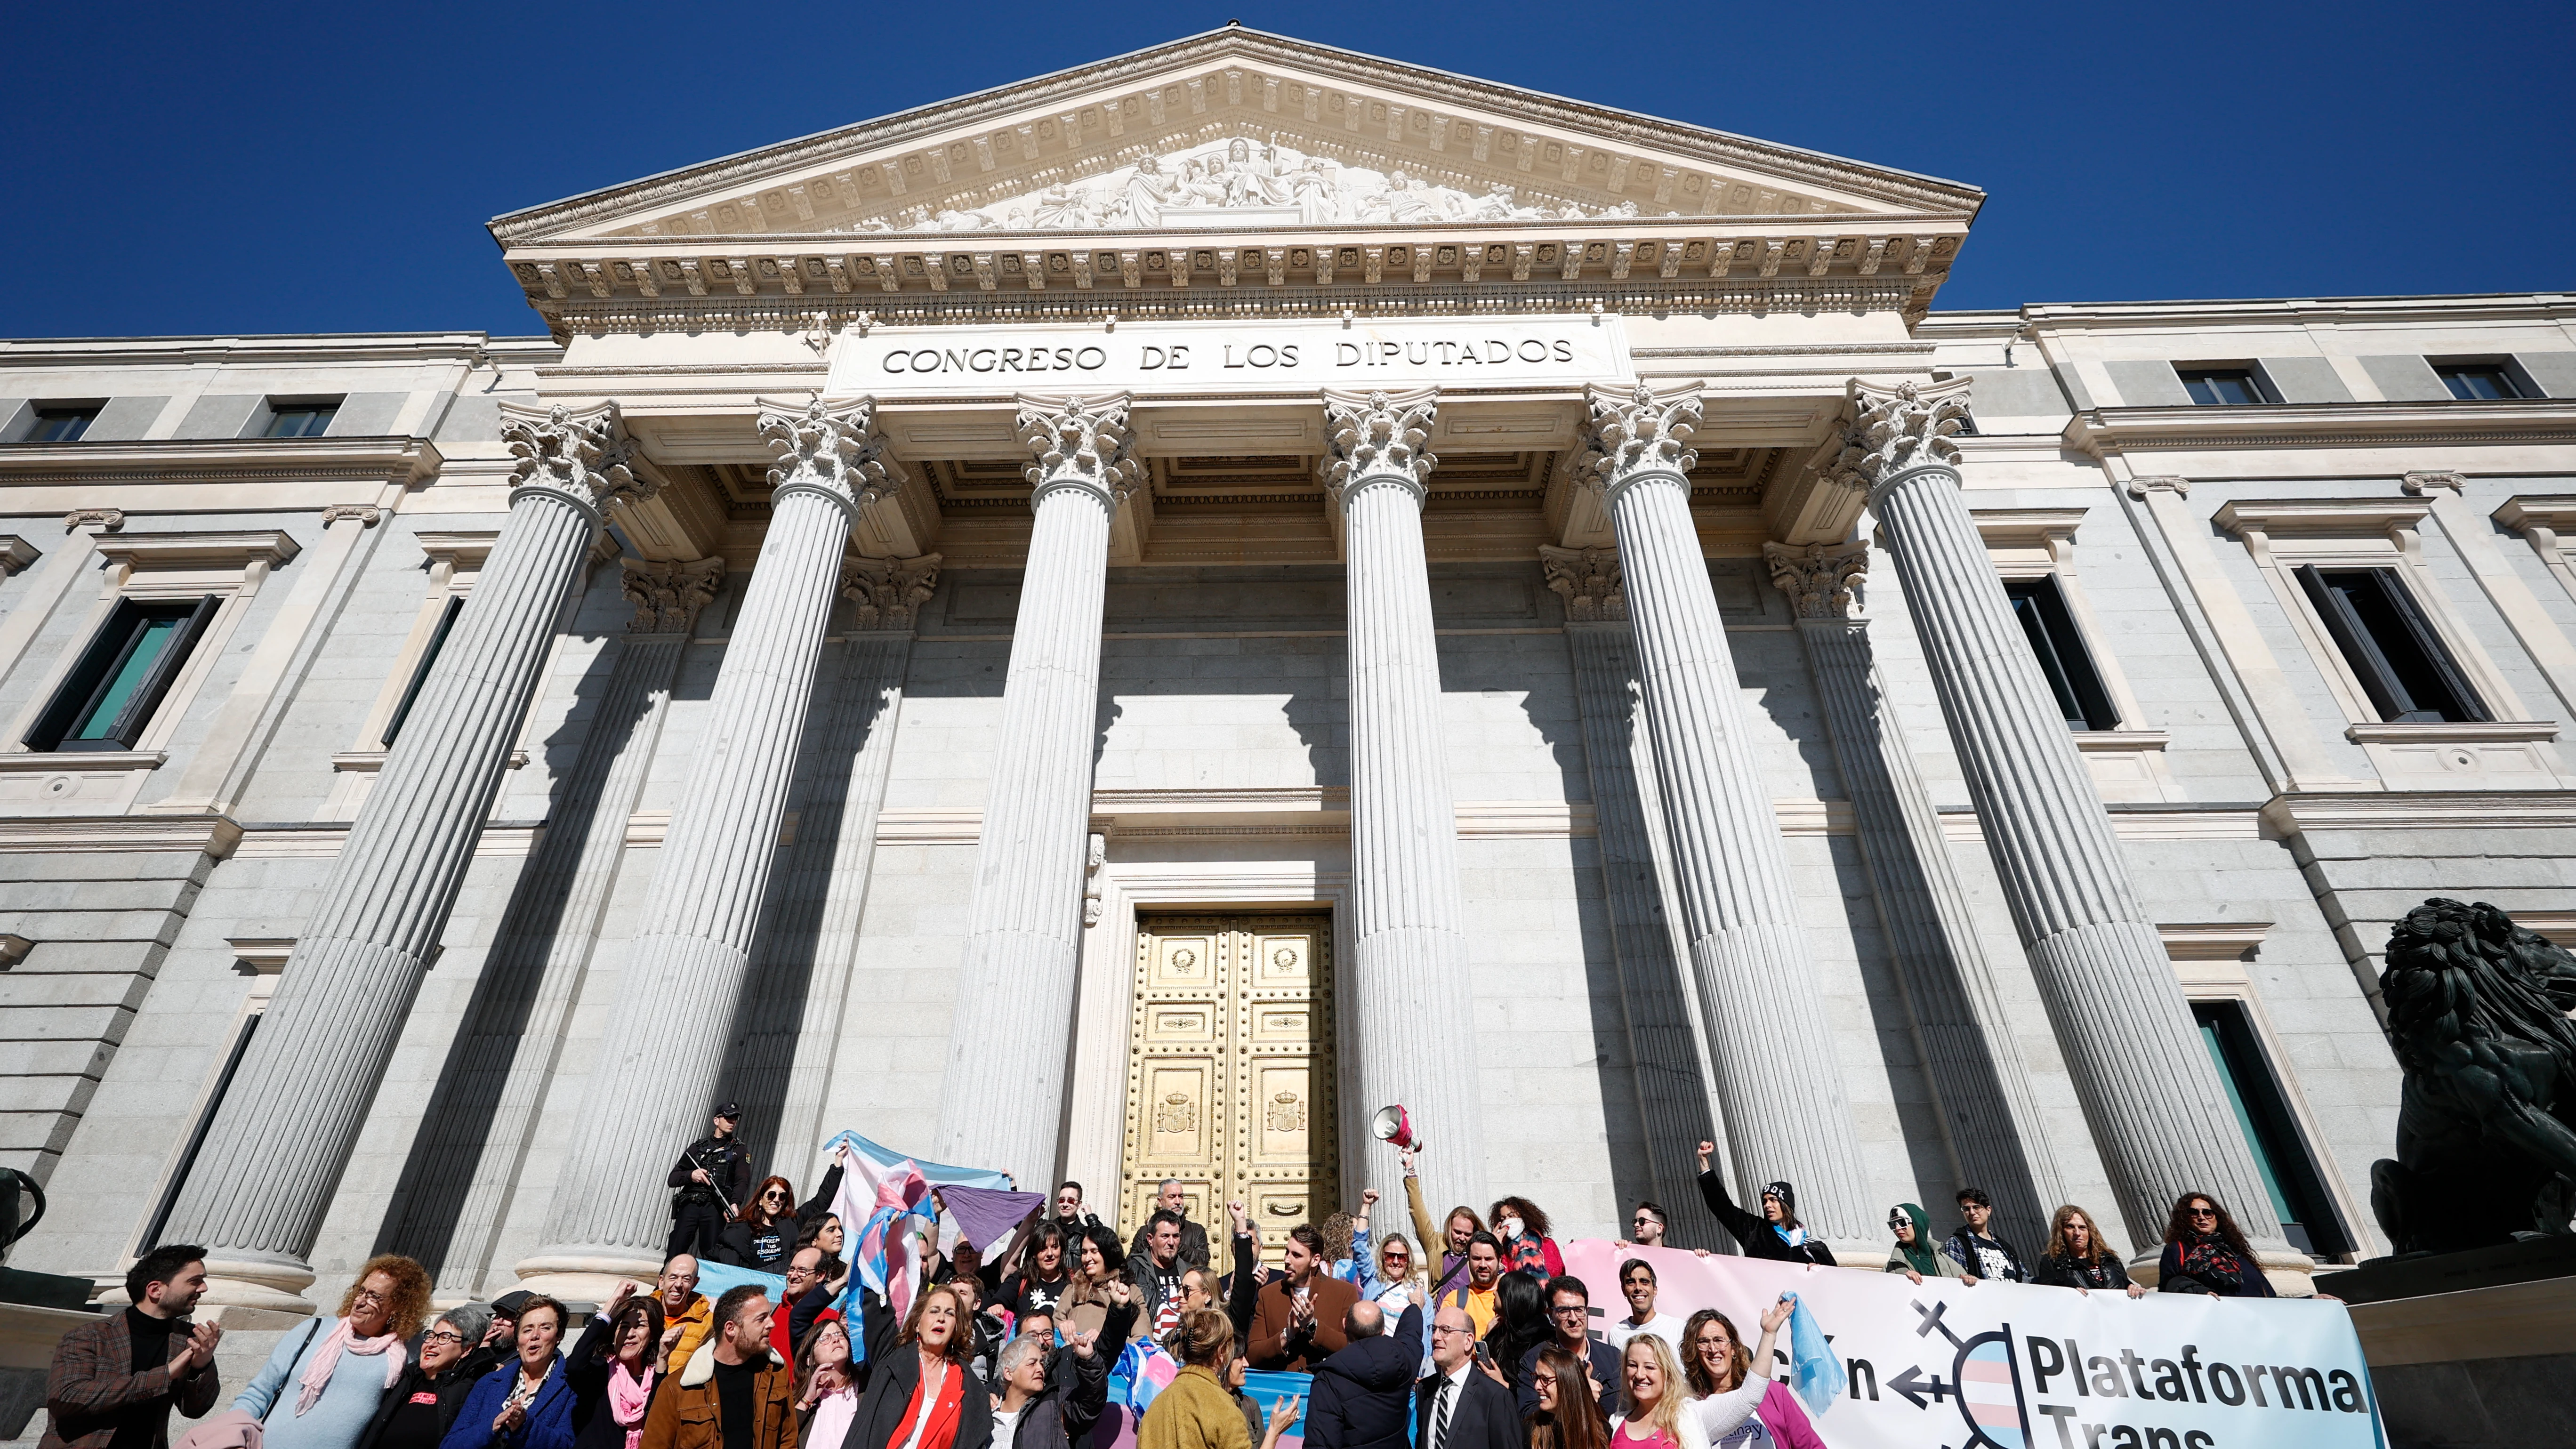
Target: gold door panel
(1231, 1071)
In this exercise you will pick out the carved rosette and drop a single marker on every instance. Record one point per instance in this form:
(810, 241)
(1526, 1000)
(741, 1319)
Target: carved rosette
(1894, 431)
(1638, 434)
(831, 449)
(586, 457)
(1588, 580)
(1379, 436)
(889, 591)
(1822, 579)
(1080, 442)
(668, 593)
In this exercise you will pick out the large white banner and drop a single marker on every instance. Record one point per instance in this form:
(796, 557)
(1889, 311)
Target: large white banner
(2005, 1366)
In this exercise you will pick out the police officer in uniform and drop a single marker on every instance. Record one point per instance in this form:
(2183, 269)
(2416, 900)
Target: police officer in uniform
(714, 1180)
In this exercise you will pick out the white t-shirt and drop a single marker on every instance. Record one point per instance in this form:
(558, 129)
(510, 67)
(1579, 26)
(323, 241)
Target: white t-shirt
(1663, 1325)
(1006, 1422)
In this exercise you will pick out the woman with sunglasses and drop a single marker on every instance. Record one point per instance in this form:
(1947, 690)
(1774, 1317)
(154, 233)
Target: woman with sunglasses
(763, 1235)
(2205, 1252)
(1915, 1255)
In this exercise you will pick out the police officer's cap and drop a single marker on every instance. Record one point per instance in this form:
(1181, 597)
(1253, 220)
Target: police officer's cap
(729, 1109)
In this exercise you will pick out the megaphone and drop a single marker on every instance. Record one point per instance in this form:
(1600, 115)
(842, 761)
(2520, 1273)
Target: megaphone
(1393, 1127)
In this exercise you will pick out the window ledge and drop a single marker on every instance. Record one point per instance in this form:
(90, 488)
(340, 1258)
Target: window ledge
(2446, 732)
(2115, 741)
(368, 762)
(84, 761)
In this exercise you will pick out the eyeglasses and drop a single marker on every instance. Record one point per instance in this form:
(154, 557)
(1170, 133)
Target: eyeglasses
(1440, 1328)
(773, 1193)
(441, 1335)
(367, 1295)
(1564, 1310)
(1899, 1220)
(1643, 1219)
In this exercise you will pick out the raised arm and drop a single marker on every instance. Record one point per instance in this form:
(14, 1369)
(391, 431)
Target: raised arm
(1712, 1190)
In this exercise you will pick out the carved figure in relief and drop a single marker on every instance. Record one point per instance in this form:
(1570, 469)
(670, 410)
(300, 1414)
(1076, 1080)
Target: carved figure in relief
(1141, 204)
(1058, 208)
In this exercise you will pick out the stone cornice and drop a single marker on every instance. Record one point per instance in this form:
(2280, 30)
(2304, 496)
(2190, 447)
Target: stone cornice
(390, 347)
(2104, 431)
(222, 460)
(2130, 316)
(1103, 80)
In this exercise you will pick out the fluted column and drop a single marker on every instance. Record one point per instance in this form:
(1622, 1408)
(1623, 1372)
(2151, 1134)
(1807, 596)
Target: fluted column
(659, 1061)
(1777, 1081)
(1980, 1087)
(1663, 1042)
(2150, 1092)
(465, 1168)
(1001, 1102)
(1411, 1004)
(275, 1152)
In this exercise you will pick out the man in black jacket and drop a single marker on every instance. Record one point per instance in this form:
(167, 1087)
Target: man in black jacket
(1569, 1312)
(1775, 1232)
(1171, 1197)
(1460, 1406)
(1363, 1391)
(713, 1178)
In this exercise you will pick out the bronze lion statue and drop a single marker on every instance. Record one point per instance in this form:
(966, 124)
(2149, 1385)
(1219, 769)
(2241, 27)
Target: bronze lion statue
(2486, 1128)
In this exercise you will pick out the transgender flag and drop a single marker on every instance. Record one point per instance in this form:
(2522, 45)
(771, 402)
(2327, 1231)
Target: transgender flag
(883, 1217)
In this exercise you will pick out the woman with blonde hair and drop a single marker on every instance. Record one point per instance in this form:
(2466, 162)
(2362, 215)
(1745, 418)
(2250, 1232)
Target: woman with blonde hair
(1653, 1414)
(322, 1384)
(2077, 1257)
(1202, 1407)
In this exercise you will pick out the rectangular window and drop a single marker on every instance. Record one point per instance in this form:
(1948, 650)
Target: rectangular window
(61, 425)
(197, 1136)
(420, 673)
(2384, 635)
(109, 697)
(300, 419)
(2222, 387)
(2290, 1175)
(2041, 606)
(2477, 381)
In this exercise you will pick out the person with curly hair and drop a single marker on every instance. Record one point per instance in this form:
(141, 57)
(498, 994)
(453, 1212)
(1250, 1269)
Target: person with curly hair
(1522, 1230)
(322, 1384)
(2205, 1252)
(2077, 1257)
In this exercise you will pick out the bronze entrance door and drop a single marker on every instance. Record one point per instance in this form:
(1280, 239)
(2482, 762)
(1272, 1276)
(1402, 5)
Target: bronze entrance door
(1230, 1072)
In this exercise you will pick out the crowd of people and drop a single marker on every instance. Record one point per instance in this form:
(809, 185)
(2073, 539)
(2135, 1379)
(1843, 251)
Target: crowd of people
(1469, 1334)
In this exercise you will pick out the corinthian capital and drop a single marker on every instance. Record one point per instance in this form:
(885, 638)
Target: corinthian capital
(1637, 433)
(1380, 435)
(1819, 578)
(889, 590)
(1080, 443)
(1588, 580)
(586, 456)
(834, 450)
(668, 593)
(1894, 430)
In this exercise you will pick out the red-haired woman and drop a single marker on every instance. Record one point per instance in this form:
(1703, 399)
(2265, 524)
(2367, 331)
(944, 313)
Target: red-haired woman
(1522, 1230)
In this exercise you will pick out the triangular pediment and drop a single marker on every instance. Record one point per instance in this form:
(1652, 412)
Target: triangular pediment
(1242, 130)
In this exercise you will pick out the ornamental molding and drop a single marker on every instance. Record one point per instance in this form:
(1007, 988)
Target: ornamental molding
(832, 449)
(365, 515)
(228, 549)
(2555, 513)
(1888, 431)
(2102, 432)
(1379, 435)
(1080, 442)
(587, 456)
(105, 519)
(669, 593)
(889, 592)
(1822, 580)
(1589, 581)
(1638, 433)
(2321, 517)
(221, 460)
(2139, 488)
(2423, 485)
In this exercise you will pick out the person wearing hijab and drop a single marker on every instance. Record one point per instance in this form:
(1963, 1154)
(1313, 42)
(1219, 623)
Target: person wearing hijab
(2205, 1252)
(1775, 1232)
(1914, 1256)
(322, 1385)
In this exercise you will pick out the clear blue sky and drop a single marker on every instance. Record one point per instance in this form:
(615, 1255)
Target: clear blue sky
(291, 168)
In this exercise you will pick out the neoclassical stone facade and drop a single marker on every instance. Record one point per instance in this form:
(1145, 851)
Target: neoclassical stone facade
(1141, 616)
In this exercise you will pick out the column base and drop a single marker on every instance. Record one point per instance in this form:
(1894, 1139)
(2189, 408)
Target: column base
(255, 1290)
(585, 1274)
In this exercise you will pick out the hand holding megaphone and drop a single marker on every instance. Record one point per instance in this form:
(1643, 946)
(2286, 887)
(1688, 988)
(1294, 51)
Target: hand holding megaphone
(1393, 1127)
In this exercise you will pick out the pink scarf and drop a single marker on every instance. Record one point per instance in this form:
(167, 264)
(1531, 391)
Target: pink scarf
(628, 1398)
(317, 1372)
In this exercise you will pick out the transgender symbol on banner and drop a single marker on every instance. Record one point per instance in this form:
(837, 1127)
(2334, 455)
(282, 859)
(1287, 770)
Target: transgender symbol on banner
(1984, 1378)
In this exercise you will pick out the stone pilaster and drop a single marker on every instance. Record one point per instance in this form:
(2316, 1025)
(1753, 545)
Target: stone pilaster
(1773, 1057)
(1980, 1086)
(473, 1145)
(1001, 1102)
(659, 1063)
(1663, 1042)
(1411, 1011)
(2158, 1112)
(274, 1154)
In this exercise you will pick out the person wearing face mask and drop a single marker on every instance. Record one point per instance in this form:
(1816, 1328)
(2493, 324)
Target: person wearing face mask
(1773, 1233)
(1522, 1230)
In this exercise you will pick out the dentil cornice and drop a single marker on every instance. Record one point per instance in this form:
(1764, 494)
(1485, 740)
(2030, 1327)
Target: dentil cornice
(1379, 435)
(1820, 579)
(587, 457)
(669, 593)
(889, 592)
(1081, 443)
(1589, 581)
(835, 451)
(1639, 433)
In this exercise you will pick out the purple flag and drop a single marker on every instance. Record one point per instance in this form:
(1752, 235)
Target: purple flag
(986, 1215)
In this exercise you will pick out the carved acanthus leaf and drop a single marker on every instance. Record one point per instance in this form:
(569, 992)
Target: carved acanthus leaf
(1080, 441)
(587, 456)
(668, 593)
(1820, 579)
(1379, 434)
(1637, 432)
(834, 448)
(1890, 430)
(1589, 581)
(889, 592)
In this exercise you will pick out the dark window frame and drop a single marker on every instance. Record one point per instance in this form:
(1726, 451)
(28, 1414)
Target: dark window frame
(102, 662)
(2209, 378)
(420, 672)
(314, 415)
(2065, 660)
(2282, 1153)
(2457, 373)
(80, 415)
(2391, 646)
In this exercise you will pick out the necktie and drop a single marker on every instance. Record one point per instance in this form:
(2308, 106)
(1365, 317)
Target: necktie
(1440, 1413)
